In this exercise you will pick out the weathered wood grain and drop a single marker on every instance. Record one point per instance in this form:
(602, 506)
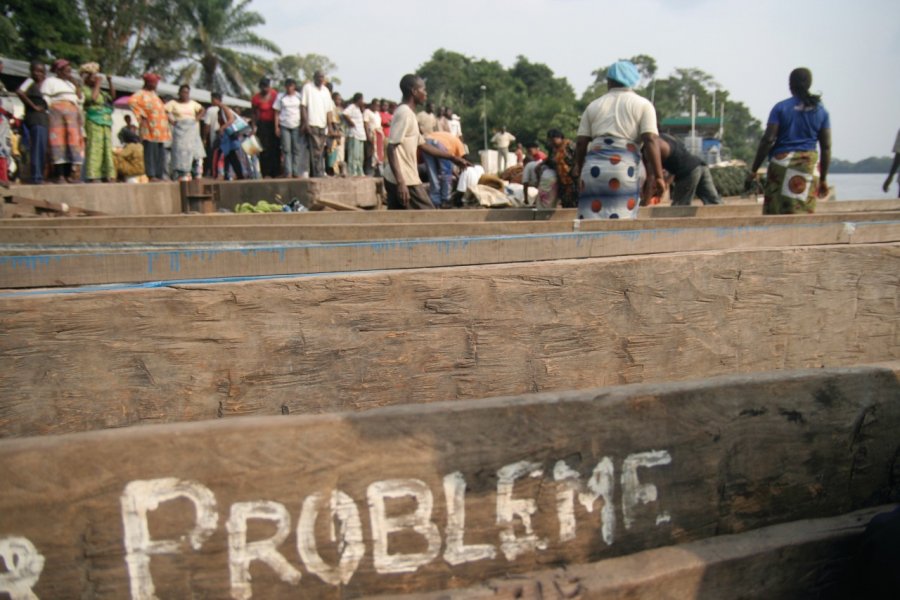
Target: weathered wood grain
(229, 231)
(443, 216)
(158, 198)
(671, 463)
(806, 559)
(316, 217)
(110, 358)
(37, 267)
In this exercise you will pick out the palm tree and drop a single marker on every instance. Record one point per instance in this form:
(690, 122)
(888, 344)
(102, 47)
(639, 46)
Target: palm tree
(214, 31)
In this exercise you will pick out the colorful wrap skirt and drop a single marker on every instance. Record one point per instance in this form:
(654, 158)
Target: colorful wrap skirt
(610, 180)
(792, 181)
(65, 136)
(187, 147)
(548, 190)
(99, 159)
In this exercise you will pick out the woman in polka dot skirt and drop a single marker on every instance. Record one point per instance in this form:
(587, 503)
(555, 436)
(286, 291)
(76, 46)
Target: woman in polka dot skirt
(608, 149)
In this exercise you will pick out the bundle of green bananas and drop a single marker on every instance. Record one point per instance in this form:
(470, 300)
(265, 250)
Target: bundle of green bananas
(729, 181)
(262, 206)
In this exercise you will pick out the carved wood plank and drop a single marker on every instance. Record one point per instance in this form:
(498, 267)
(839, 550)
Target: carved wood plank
(115, 357)
(85, 265)
(232, 231)
(427, 497)
(814, 558)
(447, 216)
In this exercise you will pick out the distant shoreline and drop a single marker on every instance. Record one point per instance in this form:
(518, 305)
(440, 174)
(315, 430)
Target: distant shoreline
(873, 164)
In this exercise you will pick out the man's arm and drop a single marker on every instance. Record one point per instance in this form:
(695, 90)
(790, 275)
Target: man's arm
(894, 166)
(77, 84)
(438, 153)
(27, 101)
(304, 119)
(402, 190)
(653, 162)
(824, 161)
(765, 145)
(581, 144)
(255, 107)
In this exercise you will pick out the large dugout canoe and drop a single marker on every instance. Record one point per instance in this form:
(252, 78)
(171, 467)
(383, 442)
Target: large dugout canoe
(299, 230)
(436, 216)
(428, 497)
(813, 558)
(373, 247)
(445, 495)
(89, 358)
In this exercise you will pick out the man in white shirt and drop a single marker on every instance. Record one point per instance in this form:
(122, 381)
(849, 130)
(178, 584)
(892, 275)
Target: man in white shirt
(501, 140)
(288, 119)
(455, 124)
(401, 176)
(374, 136)
(356, 136)
(316, 108)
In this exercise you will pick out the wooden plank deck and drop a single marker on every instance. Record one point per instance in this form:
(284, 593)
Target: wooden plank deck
(428, 497)
(812, 558)
(378, 247)
(437, 216)
(233, 232)
(88, 358)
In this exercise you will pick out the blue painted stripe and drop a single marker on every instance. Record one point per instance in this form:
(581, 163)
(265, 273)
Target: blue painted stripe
(446, 245)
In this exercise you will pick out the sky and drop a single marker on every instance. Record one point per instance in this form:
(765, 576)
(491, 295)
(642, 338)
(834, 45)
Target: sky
(749, 47)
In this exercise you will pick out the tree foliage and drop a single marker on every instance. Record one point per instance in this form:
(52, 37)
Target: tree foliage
(213, 43)
(672, 98)
(873, 164)
(302, 67)
(45, 29)
(217, 35)
(209, 42)
(527, 98)
(117, 30)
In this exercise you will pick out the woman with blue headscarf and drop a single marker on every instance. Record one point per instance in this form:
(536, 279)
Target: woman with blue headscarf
(616, 130)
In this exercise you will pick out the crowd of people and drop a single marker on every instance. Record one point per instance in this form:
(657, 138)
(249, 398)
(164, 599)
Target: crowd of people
(296, 131)
(617, 162)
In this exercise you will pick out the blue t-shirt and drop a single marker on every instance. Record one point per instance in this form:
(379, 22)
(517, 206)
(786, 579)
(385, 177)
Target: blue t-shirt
(798, 125)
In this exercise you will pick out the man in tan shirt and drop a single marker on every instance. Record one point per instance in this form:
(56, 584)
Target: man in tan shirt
(401, 176)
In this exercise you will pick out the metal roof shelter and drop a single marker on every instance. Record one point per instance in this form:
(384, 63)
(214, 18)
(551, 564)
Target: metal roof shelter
(685, 122)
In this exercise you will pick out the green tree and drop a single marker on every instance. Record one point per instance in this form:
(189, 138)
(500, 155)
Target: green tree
(302, 66)
(45, 29)
(164, 44)
(527, 98)
(672, 98)
(119, 29)
(215, 32)
(9, 37)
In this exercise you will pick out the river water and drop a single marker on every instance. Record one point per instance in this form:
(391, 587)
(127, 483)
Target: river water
(861, 186)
